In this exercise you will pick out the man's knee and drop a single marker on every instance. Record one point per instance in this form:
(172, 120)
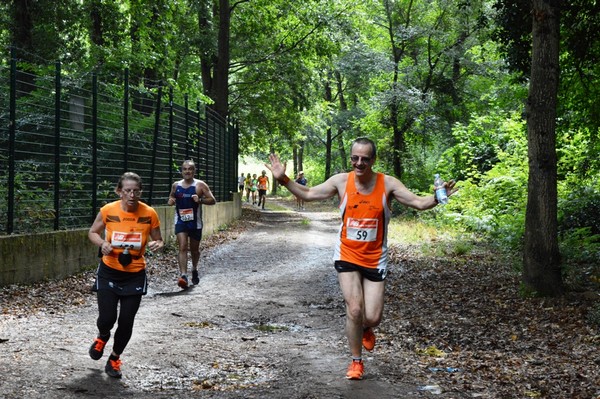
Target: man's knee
(372, 321)
(355, 311)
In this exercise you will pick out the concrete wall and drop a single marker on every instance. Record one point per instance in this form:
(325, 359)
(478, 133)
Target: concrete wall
(30, 258)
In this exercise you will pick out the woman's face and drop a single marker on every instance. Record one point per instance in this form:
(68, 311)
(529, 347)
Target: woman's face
(130, 193)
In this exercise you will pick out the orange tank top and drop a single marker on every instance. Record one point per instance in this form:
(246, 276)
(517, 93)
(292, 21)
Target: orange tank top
(363, 232)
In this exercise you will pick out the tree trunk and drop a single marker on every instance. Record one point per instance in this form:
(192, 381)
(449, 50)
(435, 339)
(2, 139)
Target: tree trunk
(541, 258)
(300, 158)
(97, 34)
(207, 57)
(328, 140)
(214, 66)
(22, 39)
(220, 89)
(341, 129)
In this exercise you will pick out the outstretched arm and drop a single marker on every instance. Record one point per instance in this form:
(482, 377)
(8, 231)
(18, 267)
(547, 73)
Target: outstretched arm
(325, 190)
(410, 199)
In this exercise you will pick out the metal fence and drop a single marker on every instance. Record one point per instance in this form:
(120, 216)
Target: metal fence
(65, 140)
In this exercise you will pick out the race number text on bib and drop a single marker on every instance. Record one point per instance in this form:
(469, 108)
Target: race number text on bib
(361, 229)
(186, 215)
(127, 240)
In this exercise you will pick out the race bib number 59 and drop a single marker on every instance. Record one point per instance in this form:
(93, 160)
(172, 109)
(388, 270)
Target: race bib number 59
(361, 229)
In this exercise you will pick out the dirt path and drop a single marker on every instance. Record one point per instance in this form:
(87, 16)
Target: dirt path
(266, 321)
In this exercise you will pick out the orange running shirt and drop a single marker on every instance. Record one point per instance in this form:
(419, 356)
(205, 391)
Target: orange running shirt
(262, 182)
(363, 233)
(128, 229)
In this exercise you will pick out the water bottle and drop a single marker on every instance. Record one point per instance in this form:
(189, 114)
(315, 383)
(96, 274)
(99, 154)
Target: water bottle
(440, 191)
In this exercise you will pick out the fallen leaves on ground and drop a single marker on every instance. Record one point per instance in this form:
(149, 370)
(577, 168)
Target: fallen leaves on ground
(464, 327)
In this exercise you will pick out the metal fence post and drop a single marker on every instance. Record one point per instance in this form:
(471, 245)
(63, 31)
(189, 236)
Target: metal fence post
(187, 127)
(171, 172)
(10, 216)
(94, 145)
(198, 135)
(155, 141)
(125, 118)
(57, 108)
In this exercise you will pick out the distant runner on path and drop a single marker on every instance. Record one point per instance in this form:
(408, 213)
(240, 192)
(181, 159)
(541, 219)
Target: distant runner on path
(300, 179)
(360, 255)
(263, 185)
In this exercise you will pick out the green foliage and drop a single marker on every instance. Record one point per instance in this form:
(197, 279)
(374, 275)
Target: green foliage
(581, 245)
(479, 145)
(578, 209)
(492, 196)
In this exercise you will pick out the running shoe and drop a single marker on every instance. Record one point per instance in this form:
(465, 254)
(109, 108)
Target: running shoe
(355, 370)
(368, 339)
(97, 349)
(195, 279)
(183, 281)
(113, 368)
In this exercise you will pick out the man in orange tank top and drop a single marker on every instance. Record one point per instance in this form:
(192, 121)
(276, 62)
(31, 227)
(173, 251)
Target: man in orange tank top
(360, 255)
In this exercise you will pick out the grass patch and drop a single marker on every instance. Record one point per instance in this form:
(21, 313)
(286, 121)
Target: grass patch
(274, 206)
(305, 222)
(432, 240)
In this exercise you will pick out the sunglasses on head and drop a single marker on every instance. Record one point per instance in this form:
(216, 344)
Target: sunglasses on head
(356, 158)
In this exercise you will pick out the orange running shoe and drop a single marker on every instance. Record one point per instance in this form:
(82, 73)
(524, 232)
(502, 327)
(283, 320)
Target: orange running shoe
(113, 368)
(97, 349)
(368, 340)
(355, 370)
(183, 282)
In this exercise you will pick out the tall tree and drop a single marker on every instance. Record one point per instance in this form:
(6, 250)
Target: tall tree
(214, 22)
(427, 43)
(541, 269)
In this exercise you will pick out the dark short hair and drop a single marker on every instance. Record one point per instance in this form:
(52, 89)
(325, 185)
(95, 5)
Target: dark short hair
(365, 140)
(129, 176)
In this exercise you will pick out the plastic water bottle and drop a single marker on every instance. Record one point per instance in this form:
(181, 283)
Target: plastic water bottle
(440, 190)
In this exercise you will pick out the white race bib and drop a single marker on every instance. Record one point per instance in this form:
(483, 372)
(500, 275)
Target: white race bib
(131, 240)
(361, 229)
(186, 215)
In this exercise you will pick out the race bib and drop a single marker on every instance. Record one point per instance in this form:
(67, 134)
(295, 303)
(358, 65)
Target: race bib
(186, 215)
(361, 229)
(131, 240)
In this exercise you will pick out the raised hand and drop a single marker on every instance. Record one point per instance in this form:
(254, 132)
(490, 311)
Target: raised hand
(276, 167)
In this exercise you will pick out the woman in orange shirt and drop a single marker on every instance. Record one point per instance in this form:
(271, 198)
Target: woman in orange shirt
(123, 229)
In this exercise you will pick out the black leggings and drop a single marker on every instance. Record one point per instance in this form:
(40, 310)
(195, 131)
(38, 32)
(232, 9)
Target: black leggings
(107, 308)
